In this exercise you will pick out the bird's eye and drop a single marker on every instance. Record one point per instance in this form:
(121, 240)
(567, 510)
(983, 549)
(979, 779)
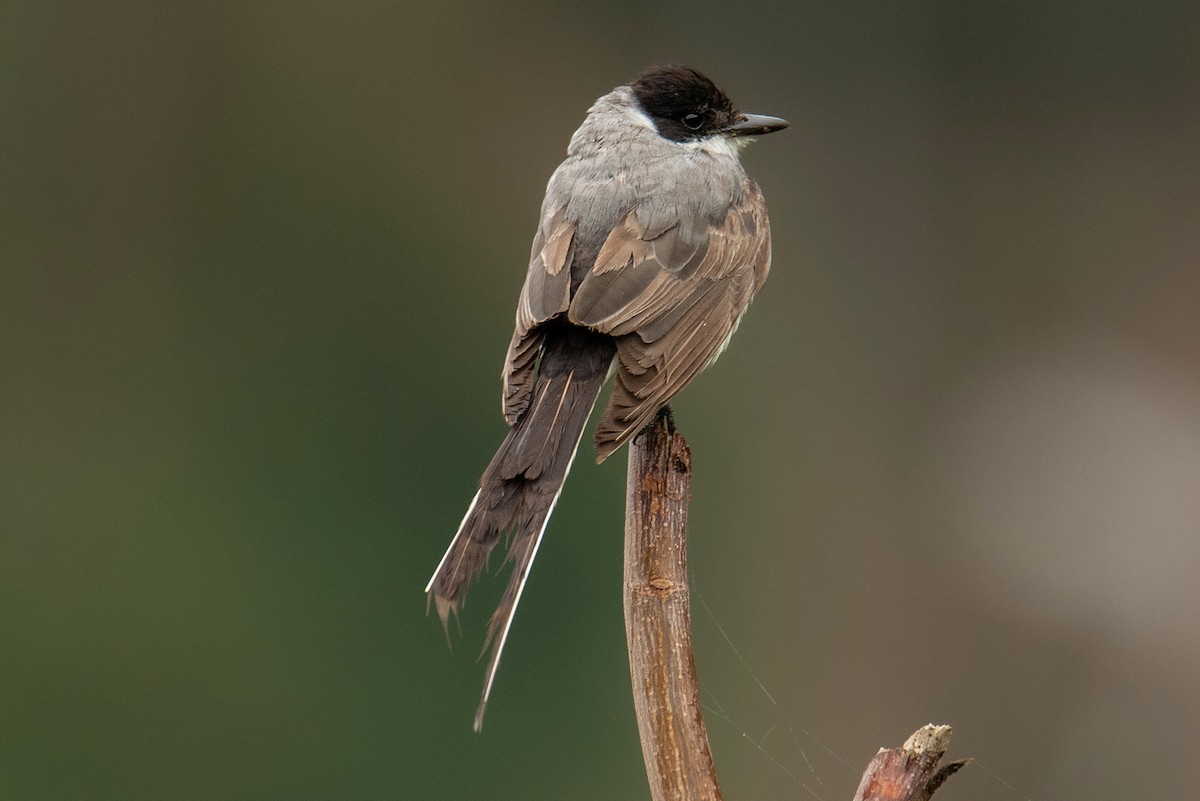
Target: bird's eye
(692, 121)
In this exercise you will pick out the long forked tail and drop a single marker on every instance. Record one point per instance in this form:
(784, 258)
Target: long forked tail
(518, 490)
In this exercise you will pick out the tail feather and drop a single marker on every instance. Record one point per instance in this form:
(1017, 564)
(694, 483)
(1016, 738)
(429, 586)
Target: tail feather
(520, 487)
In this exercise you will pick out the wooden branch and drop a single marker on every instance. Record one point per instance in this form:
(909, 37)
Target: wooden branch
(911, 772)
(658, 629)
(679, 763)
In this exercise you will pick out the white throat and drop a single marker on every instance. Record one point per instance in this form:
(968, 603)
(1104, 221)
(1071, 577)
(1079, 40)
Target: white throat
(718, 145)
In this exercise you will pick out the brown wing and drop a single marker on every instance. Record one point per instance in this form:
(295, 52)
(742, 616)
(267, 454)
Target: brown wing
(671, 298)
(547, 293)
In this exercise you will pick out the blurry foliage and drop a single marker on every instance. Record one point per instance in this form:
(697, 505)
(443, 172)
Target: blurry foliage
(260, 262)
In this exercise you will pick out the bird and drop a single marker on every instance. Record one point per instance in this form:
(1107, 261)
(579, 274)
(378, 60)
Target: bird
(651, 243)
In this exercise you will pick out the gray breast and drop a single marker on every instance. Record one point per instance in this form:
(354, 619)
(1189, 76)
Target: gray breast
(617, 163)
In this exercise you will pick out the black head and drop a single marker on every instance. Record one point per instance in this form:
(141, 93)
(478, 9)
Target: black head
(685, 105)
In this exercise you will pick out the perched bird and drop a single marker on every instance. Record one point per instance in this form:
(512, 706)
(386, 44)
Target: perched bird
(651, 244)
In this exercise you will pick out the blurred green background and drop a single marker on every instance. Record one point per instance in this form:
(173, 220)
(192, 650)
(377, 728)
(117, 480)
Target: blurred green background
(260, 262)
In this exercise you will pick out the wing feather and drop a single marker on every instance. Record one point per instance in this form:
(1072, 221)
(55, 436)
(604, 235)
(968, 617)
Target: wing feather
(546, 294)
(672, 299)
(671, 295)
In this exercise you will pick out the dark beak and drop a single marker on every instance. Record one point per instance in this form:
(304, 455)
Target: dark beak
(755, 125)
